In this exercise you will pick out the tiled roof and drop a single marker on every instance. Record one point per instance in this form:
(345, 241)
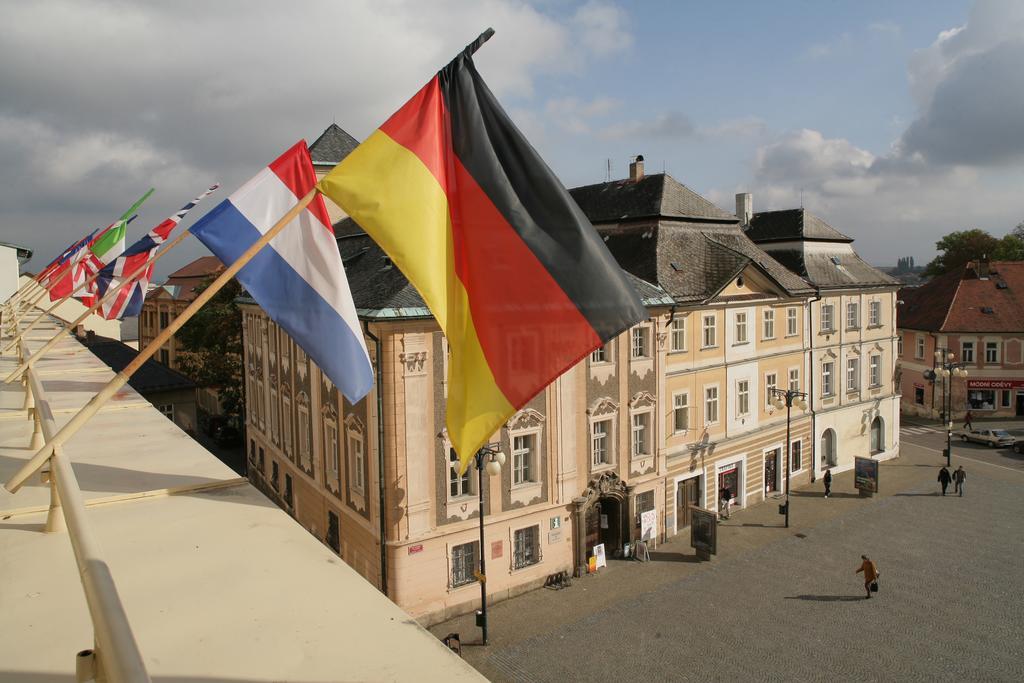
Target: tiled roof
(333, 145)
(961, 301)
(792, 224)
(658, 195)
(833, 270)
(182, 283)
(152, 376)
(203, 266)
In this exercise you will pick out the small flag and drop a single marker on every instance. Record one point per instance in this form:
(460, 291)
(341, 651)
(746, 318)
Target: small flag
(47, 274)
(104, 248)
(130, 297)
(58, 279)
(298, 278)
(515, 274)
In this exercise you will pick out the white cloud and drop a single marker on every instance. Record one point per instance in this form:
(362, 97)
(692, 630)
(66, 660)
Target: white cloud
(575, 116)
(671, 125)
(602, 28)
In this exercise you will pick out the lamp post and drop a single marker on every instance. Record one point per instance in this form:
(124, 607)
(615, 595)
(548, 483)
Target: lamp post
(945, 368)
(490, 459)
(788, 398)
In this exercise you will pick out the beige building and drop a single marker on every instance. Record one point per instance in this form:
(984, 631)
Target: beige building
(665, 416)
(852, 339)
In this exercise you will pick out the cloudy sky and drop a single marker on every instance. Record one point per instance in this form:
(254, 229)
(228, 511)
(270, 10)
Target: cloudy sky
(896, 122)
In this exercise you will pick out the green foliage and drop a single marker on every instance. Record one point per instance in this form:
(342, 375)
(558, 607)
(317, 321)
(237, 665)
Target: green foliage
(212, 345)
(963, 246)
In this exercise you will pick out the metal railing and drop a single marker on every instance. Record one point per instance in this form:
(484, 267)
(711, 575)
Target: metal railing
(116, 655)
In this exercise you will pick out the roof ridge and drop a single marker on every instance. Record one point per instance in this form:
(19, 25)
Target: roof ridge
(952, 299)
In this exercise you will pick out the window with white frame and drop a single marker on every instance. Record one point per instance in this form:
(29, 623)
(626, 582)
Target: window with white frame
(967, 352)
(641, 434)
(827, 322)
(599, 355)
(710, 333)
(875, 370)
(640, 342)
(852, 374)
(305, 447)
(525, 547)
(991, 352)
(827, 370)
(459, 485)
(919, 348)
(741, 327)
(331, 454)
(771, 382)
(600, 442)
(795, 456)
(288, 427)
(768, 323)
(464, 563)
(358, 459)
(522, 459)
(681, 412)
(875, 313)
(678, 334)
(710, 405)
(852, 315)
(794, 379)
(899, 346)
(791, 322)
(742, 397)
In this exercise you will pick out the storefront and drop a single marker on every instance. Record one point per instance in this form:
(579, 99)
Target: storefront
(996, 396)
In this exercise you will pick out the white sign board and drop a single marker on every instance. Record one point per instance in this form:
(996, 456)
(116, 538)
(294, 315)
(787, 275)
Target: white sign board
(648, 525)
(599, 554)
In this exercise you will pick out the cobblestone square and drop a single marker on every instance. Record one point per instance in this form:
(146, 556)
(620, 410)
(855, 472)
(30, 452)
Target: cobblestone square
(781, 606)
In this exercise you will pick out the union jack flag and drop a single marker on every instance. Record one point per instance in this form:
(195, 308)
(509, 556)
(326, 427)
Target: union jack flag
(128, 301)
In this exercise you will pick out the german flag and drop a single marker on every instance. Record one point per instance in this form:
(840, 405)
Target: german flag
(516, 276)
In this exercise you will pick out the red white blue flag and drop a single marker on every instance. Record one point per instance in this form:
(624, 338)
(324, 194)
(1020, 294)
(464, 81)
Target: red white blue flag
(298, 278)
(130, 297)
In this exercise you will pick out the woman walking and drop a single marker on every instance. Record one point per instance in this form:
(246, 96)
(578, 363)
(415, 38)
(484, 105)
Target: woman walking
(871, 574)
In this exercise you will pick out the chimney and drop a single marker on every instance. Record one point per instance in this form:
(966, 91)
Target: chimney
(636, 168)
(983, 268)
(744, 207)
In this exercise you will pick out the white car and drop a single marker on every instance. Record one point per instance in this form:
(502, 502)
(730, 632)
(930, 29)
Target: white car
(989, 437)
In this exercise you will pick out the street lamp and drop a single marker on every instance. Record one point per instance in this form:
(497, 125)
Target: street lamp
(944, 368)
(788, 398)
(490, 459)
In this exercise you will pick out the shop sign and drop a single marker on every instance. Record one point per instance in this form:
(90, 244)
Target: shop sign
(704, 530)
(865, 474)
(599, 556)
(496, 550)
(418, 548)
(995, 383)
(648, 524)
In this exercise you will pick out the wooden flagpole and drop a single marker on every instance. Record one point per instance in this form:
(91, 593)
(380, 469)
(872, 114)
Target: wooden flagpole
(121, 378)
(110, 293)
(99, 303)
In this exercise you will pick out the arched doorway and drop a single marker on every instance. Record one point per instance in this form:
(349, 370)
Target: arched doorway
(602, 516)
(828, 448)
(877, 435)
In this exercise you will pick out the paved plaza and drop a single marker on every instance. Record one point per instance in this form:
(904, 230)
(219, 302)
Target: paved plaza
(780, 604)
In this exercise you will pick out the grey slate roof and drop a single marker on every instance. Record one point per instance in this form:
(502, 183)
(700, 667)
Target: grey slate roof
(839, 268)
(152, 376)
(657, 195)
(822, 269)
(792, 224)
(691, 261)
(333, 145)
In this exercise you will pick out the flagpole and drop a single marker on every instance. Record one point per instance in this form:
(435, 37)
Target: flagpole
(108, 295)
(121, 378)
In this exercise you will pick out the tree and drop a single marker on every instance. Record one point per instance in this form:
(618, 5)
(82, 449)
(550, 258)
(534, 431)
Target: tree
(212, 345)
(963, 246)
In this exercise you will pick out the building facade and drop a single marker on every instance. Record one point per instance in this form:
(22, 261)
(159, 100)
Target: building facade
(852, 340)
(166, 302)
(975, 314)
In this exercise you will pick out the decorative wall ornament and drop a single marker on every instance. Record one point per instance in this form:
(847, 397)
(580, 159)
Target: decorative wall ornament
(606, 484)
(527, 418)
(603, 406)
(415, 361)
(642, 400)
(355, 425)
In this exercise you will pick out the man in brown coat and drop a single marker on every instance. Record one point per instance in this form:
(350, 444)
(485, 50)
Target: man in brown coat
(870, 573)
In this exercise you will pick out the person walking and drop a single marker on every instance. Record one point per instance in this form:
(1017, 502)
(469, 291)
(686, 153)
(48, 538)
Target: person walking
(959, 477)
(724, 503)
(944, 479)
(871, 574)
(967, 421)
(828, 482)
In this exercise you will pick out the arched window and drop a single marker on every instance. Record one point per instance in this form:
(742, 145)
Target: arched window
(828, 448)
(877, 435)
